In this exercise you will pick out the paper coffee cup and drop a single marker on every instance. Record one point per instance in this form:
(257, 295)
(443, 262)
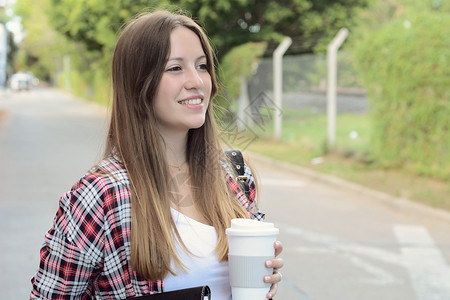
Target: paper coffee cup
(250, 245)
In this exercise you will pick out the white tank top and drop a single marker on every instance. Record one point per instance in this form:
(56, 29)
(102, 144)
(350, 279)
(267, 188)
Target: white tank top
(204, 268)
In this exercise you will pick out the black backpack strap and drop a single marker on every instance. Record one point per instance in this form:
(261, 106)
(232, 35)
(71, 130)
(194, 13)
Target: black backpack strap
(237, 160)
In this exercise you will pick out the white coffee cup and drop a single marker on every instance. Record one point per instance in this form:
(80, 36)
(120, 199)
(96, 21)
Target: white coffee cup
(250, 245)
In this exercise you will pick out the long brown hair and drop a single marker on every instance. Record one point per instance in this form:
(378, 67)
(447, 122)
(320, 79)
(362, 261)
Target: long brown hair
(138, 63)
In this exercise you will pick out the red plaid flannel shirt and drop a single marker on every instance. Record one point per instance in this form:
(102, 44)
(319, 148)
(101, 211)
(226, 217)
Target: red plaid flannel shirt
(86, 253)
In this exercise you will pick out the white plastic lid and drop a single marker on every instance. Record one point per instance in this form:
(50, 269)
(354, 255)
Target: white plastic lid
(249, 227)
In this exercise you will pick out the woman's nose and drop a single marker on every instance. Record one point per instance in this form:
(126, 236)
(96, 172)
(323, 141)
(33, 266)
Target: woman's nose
(193, 79)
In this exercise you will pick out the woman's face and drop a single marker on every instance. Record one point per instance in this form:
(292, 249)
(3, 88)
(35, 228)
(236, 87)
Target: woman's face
(184, 92)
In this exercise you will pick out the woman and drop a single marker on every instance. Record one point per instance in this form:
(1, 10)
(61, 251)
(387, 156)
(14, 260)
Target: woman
(151, 216)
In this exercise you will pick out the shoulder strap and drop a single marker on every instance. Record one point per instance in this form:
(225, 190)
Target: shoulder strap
(237, 160)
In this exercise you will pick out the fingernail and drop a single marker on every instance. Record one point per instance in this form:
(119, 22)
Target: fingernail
(269, 263)
(277, 243)
(266, 278)
(269, 295)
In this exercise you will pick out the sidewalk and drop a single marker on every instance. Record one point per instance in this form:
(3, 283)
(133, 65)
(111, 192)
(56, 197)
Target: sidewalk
(403, 204)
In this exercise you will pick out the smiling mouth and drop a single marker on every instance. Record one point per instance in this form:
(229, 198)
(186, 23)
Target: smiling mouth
(191, 101)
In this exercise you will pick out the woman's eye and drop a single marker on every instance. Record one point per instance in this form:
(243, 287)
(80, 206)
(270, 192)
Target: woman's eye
(174, 69)
(202, 67)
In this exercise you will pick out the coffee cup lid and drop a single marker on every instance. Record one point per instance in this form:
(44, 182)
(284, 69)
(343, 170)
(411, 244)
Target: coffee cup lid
(249, 227)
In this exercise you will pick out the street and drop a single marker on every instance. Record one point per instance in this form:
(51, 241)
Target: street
(338, 243)
(47, 141)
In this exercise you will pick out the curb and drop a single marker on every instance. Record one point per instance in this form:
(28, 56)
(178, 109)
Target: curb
(98, 108)
(404, 204)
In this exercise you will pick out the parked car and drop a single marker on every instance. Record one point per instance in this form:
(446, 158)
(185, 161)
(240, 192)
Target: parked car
(21, 81)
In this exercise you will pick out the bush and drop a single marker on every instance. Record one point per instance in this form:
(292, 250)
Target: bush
(404, 65)
(241, 60)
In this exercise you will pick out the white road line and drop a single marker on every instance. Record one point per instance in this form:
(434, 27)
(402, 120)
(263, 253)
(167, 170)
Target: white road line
(427, 267)
(429, 272)
(282, 182)
(354, 253)
(336, 244)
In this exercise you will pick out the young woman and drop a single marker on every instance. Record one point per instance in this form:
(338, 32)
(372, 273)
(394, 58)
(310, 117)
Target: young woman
(151, 216)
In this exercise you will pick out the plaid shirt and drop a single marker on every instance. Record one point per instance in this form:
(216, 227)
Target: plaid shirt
(86, 253)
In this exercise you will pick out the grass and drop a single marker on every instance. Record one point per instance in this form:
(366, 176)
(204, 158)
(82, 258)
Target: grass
(303, 143)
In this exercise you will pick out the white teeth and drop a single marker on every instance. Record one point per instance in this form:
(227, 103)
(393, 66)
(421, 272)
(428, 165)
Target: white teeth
(192, 101)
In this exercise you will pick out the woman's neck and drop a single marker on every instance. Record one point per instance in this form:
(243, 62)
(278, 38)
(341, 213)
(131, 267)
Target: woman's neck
(176, 144)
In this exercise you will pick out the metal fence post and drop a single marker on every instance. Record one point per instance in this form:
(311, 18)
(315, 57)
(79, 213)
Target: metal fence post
(332, 83)
(243, 103)
(278, 83)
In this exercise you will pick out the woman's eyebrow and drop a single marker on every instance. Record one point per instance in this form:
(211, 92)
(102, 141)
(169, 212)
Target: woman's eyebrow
(175, 58)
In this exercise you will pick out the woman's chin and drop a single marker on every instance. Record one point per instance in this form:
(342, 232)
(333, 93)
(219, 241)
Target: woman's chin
(197, 124)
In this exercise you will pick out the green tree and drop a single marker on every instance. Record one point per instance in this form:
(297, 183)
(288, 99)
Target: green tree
(229, 23)
(241, 60)
(93, 22)
(41, 49)
(404, 63)
(310, 23)
(91, 26)
(44, 49)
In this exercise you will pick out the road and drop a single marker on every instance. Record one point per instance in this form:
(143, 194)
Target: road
(47, 141)
(339, 243)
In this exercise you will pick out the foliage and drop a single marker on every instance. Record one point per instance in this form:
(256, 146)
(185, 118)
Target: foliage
(42, 48)
(240, 61)
(95, 23)
(404, 65)
(86, 30)
(310, 23)
(229, 23)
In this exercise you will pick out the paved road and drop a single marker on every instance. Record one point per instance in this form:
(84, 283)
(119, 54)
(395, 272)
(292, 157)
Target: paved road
(339, 244)
(47, 141)
(343, 245)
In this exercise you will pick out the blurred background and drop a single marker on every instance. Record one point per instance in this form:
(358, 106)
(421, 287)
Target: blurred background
(392, 129)
(393, 76)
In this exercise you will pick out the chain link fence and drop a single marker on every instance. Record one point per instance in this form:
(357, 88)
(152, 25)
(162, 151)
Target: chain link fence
(304, 84)
(304, 103)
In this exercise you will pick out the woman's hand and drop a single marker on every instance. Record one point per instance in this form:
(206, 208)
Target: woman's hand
(276, 264)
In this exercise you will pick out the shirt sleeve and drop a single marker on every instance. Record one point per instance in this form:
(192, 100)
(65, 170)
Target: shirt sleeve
(71, 256)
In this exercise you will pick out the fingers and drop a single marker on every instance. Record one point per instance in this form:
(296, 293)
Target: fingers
(274, 279)
(278, 247)
(273, 291)
(276, 263)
